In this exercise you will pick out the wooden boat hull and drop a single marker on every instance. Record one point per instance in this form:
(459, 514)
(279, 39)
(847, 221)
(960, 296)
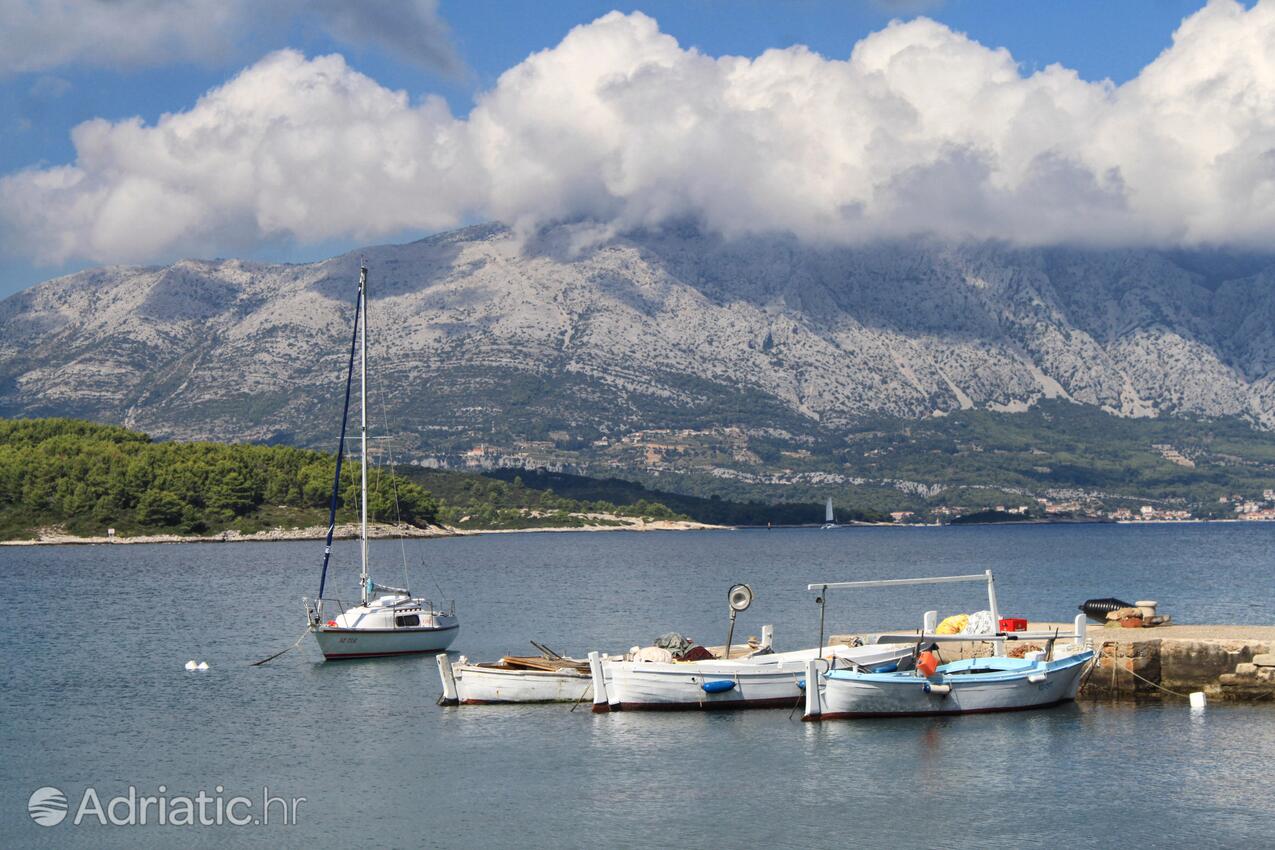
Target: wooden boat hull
(479, 685)
(339, 644)
(766, 681)
(1021, 686)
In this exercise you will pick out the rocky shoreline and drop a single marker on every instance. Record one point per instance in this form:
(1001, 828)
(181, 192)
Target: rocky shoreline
(346, 531)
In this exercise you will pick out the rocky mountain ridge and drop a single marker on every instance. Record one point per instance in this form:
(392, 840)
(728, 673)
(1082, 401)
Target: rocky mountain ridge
(480, 335)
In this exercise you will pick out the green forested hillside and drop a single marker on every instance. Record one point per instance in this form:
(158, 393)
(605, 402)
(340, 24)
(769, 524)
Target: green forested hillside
(713, 509)
(477, 501)
(88, 477)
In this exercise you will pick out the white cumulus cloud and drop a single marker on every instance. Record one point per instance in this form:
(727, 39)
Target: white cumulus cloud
(918, 130)
(307, 149)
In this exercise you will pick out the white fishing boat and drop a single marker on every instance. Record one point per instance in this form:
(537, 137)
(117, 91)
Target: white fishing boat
(967, 686)
(387, 620)
(759, 680)
(653, 679)
(514, 679)
(925, 686)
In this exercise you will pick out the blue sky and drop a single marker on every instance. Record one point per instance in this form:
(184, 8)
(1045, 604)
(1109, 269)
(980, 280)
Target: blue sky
(39, 107)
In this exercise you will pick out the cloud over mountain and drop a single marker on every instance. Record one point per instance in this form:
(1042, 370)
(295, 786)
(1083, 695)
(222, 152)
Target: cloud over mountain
(919, 130)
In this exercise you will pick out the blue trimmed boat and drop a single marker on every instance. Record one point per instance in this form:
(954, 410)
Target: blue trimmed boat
(922, 686)
(968, 686)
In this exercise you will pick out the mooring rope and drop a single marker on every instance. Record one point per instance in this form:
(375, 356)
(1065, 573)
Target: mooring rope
(797, 704)
(581, 698)
(277, 654)
(1152, 684)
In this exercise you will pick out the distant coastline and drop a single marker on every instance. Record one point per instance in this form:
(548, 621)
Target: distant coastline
(349, 531)
(345, 531)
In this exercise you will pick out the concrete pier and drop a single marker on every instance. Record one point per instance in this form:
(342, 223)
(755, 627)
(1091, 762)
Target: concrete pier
(1226, 662)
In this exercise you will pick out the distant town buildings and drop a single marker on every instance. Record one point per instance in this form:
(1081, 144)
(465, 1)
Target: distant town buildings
(736, 454)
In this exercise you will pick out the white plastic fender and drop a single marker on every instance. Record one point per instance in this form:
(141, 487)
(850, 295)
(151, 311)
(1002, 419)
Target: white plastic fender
(600, 703)
(445, 672)
(1198, 699)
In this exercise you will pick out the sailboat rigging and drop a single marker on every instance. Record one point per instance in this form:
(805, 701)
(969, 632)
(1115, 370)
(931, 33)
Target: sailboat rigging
(388, 620)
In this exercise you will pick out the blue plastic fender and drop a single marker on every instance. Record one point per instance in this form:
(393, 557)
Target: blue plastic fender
(720, 686)
(801, 684)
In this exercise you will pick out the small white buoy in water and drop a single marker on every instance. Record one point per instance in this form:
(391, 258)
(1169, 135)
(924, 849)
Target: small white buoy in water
(203, 665)
(1197, 699)
(191, 665)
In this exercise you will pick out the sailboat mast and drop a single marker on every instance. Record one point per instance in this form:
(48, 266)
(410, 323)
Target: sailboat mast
(363, 578)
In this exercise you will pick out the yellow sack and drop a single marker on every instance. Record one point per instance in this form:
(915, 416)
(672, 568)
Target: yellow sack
(953, 625)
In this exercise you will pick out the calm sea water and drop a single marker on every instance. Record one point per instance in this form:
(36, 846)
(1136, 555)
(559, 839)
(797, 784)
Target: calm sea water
(94, 696)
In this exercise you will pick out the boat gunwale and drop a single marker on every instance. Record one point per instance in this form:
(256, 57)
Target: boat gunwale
(490, 668)
(398, 630)
(755, 664)
(959, 677)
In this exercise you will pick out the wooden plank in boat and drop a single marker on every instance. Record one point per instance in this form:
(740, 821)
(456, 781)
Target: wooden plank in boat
(548, 665)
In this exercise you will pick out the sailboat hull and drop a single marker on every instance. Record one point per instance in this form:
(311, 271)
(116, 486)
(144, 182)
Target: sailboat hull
(340, 644)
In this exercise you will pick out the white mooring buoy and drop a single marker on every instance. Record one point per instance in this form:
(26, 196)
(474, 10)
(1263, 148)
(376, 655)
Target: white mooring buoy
(1198, 699)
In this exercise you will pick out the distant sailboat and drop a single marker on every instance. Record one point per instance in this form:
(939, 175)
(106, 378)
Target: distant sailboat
(387, 620)
(829, 519)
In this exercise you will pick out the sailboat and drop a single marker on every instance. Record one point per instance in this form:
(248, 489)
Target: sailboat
(829, 519)
(387, 620)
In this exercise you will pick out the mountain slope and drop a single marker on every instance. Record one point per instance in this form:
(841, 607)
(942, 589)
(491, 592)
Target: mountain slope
(483, 337)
